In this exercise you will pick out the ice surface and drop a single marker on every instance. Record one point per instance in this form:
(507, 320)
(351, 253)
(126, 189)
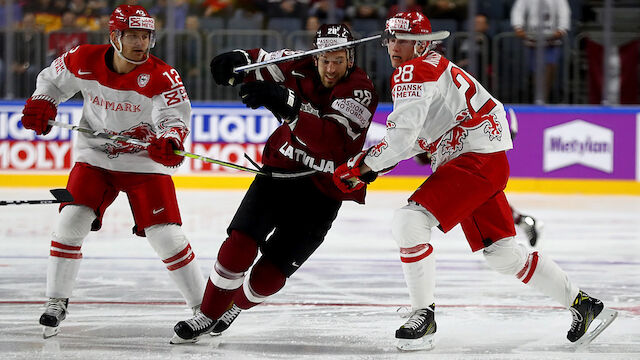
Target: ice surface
(342, 304)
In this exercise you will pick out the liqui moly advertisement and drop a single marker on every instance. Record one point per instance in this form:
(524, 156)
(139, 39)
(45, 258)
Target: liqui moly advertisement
(552, 142)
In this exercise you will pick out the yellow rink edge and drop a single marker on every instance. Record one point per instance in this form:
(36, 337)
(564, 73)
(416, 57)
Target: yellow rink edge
(385, 183)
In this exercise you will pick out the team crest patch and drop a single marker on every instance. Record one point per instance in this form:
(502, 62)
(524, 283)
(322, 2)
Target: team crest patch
(143, 79)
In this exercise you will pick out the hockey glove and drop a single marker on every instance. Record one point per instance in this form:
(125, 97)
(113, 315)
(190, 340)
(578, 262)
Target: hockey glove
(281, 101)
(161, 148)
(222, 67)
(37, 112)
(348, 177)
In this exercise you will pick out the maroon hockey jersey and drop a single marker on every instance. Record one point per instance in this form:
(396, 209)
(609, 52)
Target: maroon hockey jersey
(332, 123)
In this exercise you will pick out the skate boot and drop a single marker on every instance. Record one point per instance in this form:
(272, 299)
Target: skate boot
(418, 332)
(532, 228)
(585, 310)
(55, 312)
(225, 320)
(188, 331)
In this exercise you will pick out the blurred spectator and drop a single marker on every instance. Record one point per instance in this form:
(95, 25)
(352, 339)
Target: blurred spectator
(48, 15)
(312, 24)
(446, 9)
(367, 9)
(17, 13)
(86, 16)
(190, 44)
(286, 8)
(180, 10)
(65, 39)
(553, 19)
(322, 10)
(482, 36)
(217, 7)
(624, 83)
(27, 62)
(409, 5)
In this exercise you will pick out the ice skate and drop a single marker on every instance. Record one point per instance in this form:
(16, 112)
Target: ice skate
(418, 332)
(55, 312)
(585, 310)
(532, 228)
(225, 320)
(188, 331)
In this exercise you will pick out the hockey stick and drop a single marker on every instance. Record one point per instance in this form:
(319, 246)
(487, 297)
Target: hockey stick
(303, 54)
(60, 195)
(130, 140)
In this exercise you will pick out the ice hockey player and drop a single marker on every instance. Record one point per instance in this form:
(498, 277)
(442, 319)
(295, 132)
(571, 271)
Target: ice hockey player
(441, 109)
(326, 104)
(133, 93)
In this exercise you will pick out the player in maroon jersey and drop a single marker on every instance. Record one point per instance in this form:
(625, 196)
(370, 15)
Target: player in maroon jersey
(325, 104)
(441, 109)
(129, 92)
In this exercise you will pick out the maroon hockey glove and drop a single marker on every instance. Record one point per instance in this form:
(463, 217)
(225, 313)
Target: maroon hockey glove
(281, 101)
(37, 112)
(347, 176)
(161, 148)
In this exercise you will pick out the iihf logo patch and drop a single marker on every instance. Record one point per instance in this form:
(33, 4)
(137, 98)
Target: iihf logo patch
(143, 79)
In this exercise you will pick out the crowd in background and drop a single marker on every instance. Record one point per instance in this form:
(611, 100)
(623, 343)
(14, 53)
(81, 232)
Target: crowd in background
(63, 24)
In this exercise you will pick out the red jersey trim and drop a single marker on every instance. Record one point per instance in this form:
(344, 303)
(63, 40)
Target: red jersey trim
(152, 78)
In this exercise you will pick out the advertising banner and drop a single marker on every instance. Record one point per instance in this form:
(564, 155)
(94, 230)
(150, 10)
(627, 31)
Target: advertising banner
(552, 142)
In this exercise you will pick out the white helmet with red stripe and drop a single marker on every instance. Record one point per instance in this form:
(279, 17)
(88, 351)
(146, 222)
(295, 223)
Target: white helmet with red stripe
(134, 17)
(412, 26)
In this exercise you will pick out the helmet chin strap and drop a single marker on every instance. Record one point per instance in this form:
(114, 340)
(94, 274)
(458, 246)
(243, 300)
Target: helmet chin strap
(119, 52)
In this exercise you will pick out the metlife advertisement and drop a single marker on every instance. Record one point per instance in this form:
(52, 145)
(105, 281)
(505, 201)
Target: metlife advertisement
(579, 143)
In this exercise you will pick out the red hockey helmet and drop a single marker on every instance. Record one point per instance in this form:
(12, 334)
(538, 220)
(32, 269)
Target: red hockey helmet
(412, 26)
(134, 17)
(126, 17)
(334, 34)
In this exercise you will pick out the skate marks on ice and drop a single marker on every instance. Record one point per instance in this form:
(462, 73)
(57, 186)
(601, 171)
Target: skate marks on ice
(342, 304)
(284, 331)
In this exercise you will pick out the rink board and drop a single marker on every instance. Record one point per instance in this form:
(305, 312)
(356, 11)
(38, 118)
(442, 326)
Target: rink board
(577, 149)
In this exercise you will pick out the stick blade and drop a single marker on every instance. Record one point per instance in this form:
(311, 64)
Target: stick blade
(62, 195)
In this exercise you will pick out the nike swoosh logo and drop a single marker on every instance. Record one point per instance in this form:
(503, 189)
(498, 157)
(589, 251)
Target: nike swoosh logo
(80, 72)
(295, 73)
(157, 211)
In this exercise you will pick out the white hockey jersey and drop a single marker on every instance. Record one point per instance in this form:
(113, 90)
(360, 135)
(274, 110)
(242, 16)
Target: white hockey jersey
(440, 109)
(142, 104)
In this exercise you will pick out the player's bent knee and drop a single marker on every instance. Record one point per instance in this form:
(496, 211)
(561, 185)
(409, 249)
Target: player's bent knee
(411, 227)
(238, 252)
(74, 224)
(266, 279)
(506, 256)
(167, 240)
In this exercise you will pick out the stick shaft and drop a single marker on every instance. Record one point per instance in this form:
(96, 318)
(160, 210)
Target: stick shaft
(130, 140)
(303, 54)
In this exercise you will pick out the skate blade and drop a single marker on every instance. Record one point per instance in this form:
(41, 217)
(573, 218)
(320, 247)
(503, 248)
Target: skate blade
(176, 340)
(606, 317)
(426, 342)
(49, 331)
(215, 333)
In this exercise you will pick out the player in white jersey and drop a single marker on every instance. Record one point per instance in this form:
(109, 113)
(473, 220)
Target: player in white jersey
(129, 92)
(441, 109)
